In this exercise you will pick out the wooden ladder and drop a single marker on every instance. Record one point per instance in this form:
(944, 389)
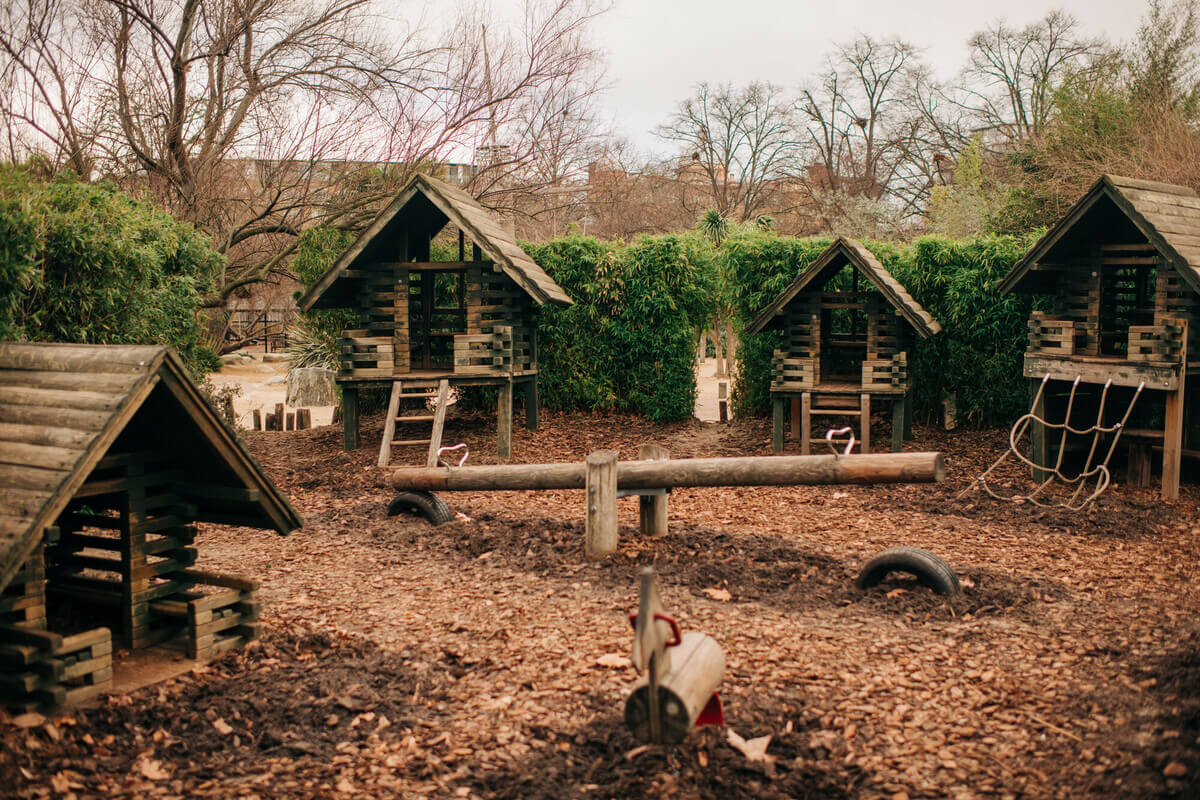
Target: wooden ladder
(813, 404)
(438, 418)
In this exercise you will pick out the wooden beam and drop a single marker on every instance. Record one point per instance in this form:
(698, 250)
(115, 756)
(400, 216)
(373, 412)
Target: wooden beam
(742, 471)
(350, 417)
(504, 420)
(805, 423)
(1173, 429)
(777, 424)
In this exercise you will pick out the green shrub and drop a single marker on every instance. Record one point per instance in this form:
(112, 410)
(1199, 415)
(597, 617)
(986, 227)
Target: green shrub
(628, 343)
(87, 263)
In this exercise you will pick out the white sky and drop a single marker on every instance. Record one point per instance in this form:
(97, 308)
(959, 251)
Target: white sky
(658, 50)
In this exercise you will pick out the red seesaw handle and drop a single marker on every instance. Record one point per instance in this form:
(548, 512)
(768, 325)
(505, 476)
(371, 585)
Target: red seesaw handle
(663, 618)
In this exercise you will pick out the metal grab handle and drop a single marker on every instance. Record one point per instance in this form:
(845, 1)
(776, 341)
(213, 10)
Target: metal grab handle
(829, 434)
(462, 447)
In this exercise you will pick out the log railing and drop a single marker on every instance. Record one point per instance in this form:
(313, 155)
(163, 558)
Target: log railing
(483, 353)
(362, 356)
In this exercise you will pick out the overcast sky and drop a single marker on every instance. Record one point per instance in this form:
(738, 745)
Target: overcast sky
(658, 50)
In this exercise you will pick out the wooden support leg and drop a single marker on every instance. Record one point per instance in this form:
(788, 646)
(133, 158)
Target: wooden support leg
(796, 417)
(865, 411)
(504, 420)
(908, 415)
(600, 528)
(531, 404)
(777, 425)
(135, 607)
(806, 423)
(1038, 450)
(653, 508)
(350, 417)
(898, 424)
(1137, 466)
(1173, 443)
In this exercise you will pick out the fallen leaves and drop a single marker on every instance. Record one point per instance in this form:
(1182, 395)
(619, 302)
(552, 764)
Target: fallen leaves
(152, 769)
(222, 727)
(719, 594)
(753, 749)
(614, 661)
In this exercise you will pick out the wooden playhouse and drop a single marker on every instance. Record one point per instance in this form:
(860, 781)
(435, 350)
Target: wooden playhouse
(1122, 267)
(420, 322)
(847, 328)
(109, 455)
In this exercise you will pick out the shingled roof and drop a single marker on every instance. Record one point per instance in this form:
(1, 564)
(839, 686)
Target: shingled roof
(458, 207)
(1167, 215)
(836, 256)
(63, 406)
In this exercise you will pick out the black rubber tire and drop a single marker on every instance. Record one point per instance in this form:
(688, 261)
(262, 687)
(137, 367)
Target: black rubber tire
(427, 504)
(930, 570)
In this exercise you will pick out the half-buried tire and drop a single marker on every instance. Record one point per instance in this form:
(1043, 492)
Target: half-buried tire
(425, 504)
(930, 570)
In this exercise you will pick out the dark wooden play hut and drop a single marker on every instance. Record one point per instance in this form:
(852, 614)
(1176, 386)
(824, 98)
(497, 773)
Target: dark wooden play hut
(470, 321)
(847, 328)
(1122, 269)
(109, 455)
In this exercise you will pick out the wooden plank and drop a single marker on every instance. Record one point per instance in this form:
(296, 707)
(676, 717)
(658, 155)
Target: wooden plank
(865, 420)
(389, 425)
(40, 456)
(439, 421)
(600, 529)
(350, 417)
(1174, 429)
(504, 408)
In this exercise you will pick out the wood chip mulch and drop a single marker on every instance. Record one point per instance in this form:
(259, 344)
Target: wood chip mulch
(470, 660)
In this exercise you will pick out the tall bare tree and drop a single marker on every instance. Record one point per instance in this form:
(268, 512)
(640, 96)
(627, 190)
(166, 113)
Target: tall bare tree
(736, 143)
(254, 119)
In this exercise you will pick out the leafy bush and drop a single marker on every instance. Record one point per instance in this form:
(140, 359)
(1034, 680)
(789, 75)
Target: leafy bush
(978, 354)
(87, 263)
(628, 343)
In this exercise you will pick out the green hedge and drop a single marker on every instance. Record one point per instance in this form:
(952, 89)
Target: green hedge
(978, 354)
(628, 343)
(87, 263)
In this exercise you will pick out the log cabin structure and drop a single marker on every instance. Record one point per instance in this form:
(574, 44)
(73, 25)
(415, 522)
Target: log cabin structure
(1122, 271)
(109, 456)
(469, 322)
(847, 328)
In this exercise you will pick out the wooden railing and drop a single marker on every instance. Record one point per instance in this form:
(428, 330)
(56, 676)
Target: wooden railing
(484, 353)
(1051, 336)
(363, 356)
(1162, 341)
(883, 374)
(790, 373)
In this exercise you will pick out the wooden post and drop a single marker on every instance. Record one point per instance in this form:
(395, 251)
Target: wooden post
(135, 582)
(1137, 466)
(723, 401)
(504, 420)
(653, 508)
(350, 417)
(531, 404)
(865, 418)
(898, 424)
(806, 423)
(797, 418)
(257, 417)
(439, 421)
(303, 419)
(697, 666)
(289, 423)
(1173, 428)
(777, 424)
(600, 528)
(908, 415)
(1038, 450)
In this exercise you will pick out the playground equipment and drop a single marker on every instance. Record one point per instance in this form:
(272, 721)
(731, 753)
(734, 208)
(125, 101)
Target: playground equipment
(605, 479)
(1092, 470)
(680, 673)
(927, 568)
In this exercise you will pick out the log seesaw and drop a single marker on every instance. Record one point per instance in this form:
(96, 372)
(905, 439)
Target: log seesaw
(605, 479)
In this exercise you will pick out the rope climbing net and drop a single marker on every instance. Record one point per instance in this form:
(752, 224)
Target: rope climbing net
(1094, 473)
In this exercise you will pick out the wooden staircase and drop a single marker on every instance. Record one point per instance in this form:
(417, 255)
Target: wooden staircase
(438, 418)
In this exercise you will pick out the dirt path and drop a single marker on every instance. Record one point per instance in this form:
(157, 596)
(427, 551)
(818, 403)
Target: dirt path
(463, 661)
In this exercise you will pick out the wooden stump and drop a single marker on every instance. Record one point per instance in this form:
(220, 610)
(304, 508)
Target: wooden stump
(600, 528)
(303, 419)
(653, 508)
(257, 417)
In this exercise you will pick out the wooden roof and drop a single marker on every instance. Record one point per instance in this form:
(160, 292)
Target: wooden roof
(1167, 215)
(836, 256)
(62, 407)
(473, 219)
